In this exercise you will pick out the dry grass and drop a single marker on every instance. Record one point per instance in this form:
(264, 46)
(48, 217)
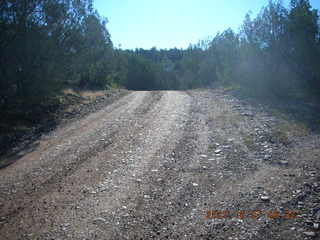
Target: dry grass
(69, 91)
(74, 99)
(86, 94)
(84, 97)
(288, 130)
(91, 94)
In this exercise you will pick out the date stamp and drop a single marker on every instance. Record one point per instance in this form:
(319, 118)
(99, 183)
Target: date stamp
(253, 214)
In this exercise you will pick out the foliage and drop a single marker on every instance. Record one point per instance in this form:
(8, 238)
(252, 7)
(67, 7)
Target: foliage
(46, 45)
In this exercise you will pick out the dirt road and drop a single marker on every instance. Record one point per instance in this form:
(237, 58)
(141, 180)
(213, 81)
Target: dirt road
(166, 165)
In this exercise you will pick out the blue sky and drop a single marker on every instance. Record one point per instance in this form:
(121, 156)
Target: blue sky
(173, 23)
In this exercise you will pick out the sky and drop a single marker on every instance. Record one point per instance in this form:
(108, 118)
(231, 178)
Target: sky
(173, 23)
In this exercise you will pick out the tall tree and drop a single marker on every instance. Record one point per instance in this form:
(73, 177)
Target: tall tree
(303, 31)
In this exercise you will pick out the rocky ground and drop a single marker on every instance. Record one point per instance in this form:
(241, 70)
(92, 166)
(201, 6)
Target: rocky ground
(196, 164)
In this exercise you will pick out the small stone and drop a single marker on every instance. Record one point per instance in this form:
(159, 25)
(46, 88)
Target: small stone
(146, 196)
(265, 198)
(269, 150)
(195, 184)
(217, 151)
(284, 163)
(310, 234)
(313, 173)
(267, 157)
(99, 220)
(309, 222)
(316, 226)
(203, 156)
(248, 114)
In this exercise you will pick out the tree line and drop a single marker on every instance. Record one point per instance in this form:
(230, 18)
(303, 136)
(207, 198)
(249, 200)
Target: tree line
(276, 53)
(49, 45)
(46, 45)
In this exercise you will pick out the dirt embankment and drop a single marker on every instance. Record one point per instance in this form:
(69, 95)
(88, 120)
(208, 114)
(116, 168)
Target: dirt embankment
(19, 129)
(167, 165)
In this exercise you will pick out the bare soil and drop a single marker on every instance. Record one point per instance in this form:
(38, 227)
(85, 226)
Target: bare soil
(198, 164)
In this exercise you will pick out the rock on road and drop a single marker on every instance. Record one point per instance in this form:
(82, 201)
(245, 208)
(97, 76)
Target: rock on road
(150, 166)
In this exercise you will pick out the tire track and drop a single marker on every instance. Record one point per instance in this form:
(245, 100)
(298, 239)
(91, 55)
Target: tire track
(185, 183)
(169, 187)
(32, 189)
(132, 162)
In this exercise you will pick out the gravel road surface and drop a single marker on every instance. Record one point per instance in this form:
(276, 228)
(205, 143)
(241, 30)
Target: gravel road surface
(166, 165)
